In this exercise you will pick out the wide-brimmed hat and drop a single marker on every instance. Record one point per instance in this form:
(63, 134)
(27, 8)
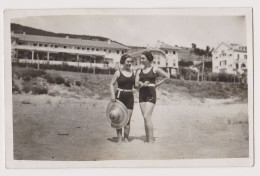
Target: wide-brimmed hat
(117, 114)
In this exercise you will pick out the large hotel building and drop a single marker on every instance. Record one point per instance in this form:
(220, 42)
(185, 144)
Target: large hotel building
(85, 53)
(57, 50)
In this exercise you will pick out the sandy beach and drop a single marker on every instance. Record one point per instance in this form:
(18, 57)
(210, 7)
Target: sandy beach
(76, 129)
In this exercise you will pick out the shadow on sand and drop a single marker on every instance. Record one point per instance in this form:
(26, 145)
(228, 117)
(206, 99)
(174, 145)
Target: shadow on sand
(131, 138)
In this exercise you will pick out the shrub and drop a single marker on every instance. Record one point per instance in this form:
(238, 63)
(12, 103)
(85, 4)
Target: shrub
(242, 86)
(65, 67)
(26, 101)
(225, 77)
(35, 86)
(27, 88)
(35, 89)
(227, 88)
(185, 63)
(40, 90)
(32, 73)
(67, 83)
(53, 93)
(78, 83)
(59, 80)
(50, 78)
(27, 74)
(15, 88)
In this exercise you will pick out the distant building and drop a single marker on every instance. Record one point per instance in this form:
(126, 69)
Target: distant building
(229, 58)
(158, 55)
(57, 50)
(134, 49)
(171, 54)
(165, 56)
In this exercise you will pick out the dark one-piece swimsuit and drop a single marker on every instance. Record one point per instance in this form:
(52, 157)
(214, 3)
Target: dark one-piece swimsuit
(125, 83)
(147, 94)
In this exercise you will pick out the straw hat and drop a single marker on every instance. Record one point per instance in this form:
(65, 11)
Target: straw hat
(117, 114)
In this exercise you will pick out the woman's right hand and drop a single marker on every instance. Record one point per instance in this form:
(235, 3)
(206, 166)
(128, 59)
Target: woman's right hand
(113, 99)
(140, 84)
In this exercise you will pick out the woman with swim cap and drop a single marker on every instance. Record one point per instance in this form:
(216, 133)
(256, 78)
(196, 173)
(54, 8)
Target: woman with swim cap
(146, 81)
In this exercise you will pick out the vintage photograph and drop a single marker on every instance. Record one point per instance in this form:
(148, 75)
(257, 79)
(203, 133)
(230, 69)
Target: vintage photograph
(130, 85)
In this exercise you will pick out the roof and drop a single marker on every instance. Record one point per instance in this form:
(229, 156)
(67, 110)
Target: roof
(222, 43)
(240, 50)
(166, 46)
(139, 53)
(234, 46)
(69, 41)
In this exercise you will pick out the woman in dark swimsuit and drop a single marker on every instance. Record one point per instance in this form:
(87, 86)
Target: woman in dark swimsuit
(145, 80)
(125, 79)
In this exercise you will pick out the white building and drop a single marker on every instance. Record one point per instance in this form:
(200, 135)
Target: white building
(57, 50)
(229, 58)
(171, 54)
(165, 56)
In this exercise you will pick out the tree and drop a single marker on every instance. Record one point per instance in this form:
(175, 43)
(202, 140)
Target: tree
(207, 51)
(193, 45)
(210, 53)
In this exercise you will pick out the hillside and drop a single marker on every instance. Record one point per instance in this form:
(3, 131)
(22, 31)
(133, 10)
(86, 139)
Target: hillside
(17, 28)
(186, 54)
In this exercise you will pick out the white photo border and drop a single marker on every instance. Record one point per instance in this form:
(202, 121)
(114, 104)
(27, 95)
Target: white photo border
(11, 163)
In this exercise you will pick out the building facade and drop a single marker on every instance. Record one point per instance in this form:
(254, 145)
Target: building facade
(171, 55)
(165, 57)
(70, 51)
(229, 58)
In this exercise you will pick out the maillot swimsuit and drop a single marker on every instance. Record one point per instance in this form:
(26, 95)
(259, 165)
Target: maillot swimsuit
(148, 94)
(124, 93)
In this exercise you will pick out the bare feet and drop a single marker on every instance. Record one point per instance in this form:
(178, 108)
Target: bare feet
(126, 140)
(150, 140)
(119, 141)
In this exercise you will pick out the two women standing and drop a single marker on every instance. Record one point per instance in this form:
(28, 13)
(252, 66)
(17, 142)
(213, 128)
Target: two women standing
(145, 80)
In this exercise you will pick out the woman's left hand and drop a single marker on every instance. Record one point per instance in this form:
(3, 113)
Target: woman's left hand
(146, 83)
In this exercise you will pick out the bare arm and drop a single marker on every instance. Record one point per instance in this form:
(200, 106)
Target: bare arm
(112, 83)
(138, 83)
(163, 74)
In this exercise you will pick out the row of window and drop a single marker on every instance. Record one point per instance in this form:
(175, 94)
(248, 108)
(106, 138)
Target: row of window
(224, 63)
(78, 47)
(65, 60)
(238, 56)
(242, 47)
(158, 63)
(224, 55)
(166, 52)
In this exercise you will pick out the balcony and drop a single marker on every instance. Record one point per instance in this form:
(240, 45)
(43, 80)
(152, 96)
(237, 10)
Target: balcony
(81, 64)
(59, 50)
(222, 70)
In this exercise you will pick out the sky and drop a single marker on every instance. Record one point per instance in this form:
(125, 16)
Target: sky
(147, 30)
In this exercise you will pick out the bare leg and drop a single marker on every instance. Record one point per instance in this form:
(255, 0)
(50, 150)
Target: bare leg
(119, 135)
(147, 110)
(127, 127)
(142, 106)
